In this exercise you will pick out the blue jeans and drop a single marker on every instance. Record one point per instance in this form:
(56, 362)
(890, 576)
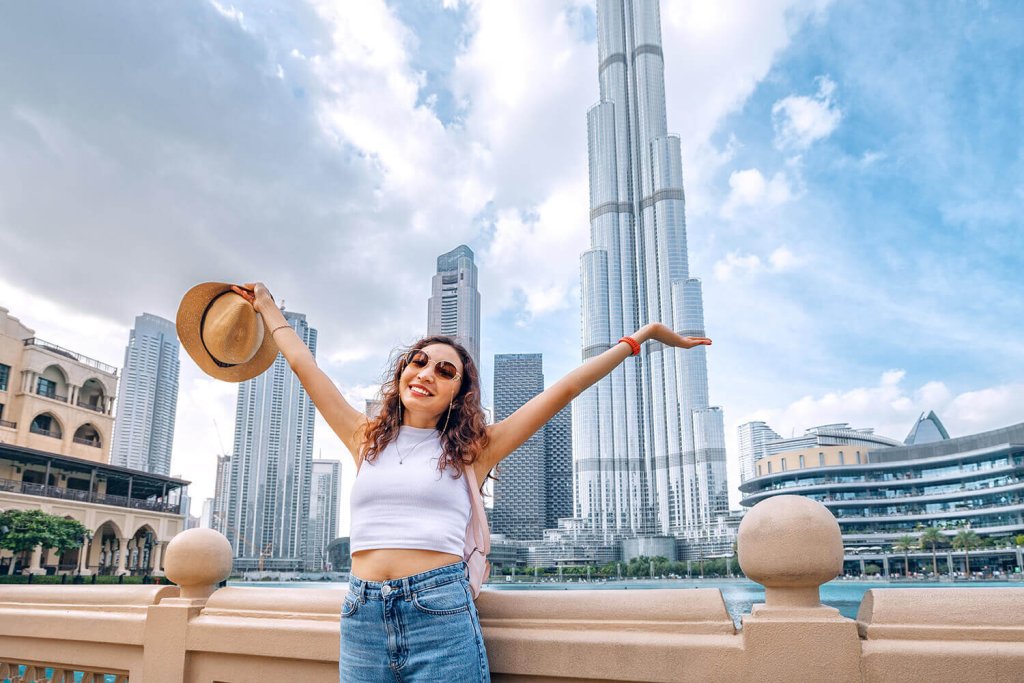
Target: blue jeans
(424, 627)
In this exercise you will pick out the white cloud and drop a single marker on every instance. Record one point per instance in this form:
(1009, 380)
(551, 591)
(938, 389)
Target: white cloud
(721, 51)
(892, 377)
(800, 121)
(536, 255)
(229, 12)
(736, 264)
(782, 259)
(749, 188)
(891, 408)
(872, 157)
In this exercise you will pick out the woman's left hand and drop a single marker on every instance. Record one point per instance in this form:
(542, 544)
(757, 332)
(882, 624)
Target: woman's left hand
(664, 334)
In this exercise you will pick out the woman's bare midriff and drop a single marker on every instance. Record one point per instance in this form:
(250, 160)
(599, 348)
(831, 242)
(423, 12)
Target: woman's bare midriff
(385, 564)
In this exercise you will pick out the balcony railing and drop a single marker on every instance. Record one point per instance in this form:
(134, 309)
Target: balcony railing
(89, 406)
(9, 425)
(87, 442)
(85, 496)
(52, 395)
(918, 511)
(45, 432)
(903, 479)
(67, 353)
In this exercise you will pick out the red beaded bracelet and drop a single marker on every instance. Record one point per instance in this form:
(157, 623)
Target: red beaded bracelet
(633, 344)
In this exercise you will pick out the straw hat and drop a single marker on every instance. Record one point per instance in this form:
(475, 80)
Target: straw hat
(223, 333)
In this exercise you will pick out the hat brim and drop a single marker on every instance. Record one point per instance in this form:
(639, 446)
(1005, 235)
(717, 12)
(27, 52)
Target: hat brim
(188, 323)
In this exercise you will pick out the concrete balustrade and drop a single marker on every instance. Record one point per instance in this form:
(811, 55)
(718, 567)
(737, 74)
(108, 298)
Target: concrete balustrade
(198, 633)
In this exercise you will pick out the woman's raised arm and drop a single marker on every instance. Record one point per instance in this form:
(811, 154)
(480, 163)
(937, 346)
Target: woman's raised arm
(513, 431)
(347, 422)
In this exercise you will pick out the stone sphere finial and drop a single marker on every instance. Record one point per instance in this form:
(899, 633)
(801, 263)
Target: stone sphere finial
(197, 560)
(790, 545)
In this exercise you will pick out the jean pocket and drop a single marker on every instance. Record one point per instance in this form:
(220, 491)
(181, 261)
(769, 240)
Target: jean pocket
(451, 598)
(350, 606)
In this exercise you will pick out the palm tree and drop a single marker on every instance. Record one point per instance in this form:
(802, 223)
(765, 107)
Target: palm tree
(905, 544)
(966, 540)
(933, 537)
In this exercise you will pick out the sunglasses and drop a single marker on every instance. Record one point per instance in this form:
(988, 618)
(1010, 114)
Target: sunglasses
(445, 369)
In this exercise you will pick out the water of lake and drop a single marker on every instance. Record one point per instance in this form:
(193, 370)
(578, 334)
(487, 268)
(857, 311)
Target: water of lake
(739, 595)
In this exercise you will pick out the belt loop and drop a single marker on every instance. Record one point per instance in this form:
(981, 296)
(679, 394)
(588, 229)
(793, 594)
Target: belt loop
(465, 569)
(407, 589)
(362, 592)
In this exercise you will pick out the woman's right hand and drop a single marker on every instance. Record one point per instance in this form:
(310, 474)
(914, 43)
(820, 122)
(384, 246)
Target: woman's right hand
(257, 294)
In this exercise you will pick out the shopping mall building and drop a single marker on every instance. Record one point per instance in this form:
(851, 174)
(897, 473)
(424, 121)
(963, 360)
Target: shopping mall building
(879, 493)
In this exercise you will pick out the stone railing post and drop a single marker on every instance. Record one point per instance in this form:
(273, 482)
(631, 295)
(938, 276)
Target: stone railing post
(791, 545)
(197, 560)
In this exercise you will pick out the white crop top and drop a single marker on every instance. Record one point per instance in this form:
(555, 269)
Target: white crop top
(401, 499)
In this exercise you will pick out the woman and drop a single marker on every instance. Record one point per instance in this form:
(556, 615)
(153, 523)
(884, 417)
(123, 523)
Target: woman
(409, 615)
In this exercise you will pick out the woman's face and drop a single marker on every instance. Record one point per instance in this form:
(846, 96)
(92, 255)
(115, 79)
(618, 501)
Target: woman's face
(423, 388)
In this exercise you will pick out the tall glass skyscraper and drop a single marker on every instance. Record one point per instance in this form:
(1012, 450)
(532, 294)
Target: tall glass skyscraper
(323, 512)
(454, 306)
(147, 397)
(519, 492)
(272, 466)
(534, 486)
(752, 437)
(649, 450)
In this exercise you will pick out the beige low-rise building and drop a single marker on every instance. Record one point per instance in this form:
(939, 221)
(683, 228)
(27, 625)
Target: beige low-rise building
(811, 457)
(130, 515)
(51, 398)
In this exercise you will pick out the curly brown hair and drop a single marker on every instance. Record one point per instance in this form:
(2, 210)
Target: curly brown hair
(465, 436)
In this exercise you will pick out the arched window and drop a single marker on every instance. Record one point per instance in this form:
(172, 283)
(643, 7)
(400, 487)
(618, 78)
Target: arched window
(87, 435)
(47, 425)
(92, 396)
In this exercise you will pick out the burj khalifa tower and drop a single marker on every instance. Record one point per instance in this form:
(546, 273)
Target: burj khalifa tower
(649, 451)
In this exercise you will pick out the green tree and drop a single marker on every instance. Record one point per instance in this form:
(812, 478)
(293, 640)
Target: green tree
(69, 534)
(1018, 539)
(966, 540)
(905, 544)
(23, 530)
(932, 537)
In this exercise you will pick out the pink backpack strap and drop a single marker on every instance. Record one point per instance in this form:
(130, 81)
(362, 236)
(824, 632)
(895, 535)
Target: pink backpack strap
(478, 535)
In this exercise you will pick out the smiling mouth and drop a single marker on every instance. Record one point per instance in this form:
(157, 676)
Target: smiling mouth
(418, 390)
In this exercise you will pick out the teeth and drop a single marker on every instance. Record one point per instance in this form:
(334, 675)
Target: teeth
(417, 390)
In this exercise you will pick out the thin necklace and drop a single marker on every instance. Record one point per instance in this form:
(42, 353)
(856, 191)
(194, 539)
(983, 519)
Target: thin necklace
(401, 456)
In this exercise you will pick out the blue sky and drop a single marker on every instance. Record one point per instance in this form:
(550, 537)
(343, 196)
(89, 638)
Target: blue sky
(854, 180)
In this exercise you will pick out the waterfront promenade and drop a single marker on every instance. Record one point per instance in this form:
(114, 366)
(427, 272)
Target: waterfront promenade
(789, 545)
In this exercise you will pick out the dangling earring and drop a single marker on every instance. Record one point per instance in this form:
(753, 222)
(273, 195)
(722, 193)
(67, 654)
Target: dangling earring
(450, 402)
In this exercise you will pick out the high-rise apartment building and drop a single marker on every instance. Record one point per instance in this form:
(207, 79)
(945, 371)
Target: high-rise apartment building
(147, 397)
(271, 466)
(221, 491)
(519, 492)
(558, 468)
(650, 456)
(534, 486)
(454, 306)
(752, 438)
(323, 513)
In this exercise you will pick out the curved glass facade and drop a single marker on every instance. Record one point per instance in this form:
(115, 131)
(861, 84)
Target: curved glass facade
(975, 481)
